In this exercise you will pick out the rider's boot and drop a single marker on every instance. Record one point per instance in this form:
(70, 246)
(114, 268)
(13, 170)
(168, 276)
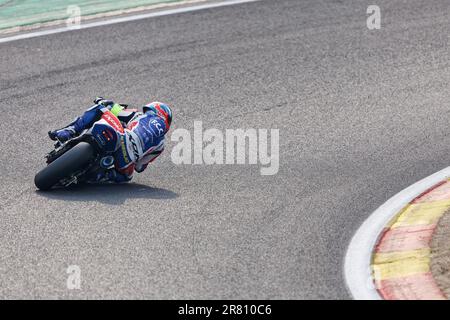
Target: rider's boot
(69, 132)
(80, 123)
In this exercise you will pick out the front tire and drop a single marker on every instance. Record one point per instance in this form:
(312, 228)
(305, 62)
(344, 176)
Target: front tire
(71, 161)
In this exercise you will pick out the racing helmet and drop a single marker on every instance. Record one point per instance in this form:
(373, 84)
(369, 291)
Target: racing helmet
(161, 110)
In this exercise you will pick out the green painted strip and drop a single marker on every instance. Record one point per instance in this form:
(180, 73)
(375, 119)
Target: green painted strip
(115, 110)
(14, 13)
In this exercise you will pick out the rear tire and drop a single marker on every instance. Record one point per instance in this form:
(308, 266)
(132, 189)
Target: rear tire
(70, 162)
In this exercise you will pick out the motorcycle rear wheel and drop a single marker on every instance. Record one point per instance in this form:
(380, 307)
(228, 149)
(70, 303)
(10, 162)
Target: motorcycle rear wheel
(63, 167)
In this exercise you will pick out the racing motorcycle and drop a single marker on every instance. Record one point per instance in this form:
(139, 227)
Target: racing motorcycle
(80, 159)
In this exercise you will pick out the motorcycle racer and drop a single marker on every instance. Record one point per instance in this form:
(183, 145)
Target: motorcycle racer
(141, 143)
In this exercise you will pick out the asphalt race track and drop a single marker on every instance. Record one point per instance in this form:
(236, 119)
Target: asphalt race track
(362, 115)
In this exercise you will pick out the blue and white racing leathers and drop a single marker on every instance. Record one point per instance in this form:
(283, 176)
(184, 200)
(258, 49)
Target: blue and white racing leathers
(141, 143)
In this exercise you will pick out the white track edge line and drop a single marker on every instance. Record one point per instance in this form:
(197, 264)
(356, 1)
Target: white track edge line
(357, 271)
(126, 19)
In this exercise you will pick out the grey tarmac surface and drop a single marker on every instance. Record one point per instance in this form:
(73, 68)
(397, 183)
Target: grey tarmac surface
(362, 115)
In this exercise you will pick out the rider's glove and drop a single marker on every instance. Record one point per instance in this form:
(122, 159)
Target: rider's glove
(97, 100)
(103, 102)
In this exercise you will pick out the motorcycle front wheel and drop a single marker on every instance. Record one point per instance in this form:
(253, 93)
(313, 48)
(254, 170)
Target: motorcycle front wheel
(63, 167)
